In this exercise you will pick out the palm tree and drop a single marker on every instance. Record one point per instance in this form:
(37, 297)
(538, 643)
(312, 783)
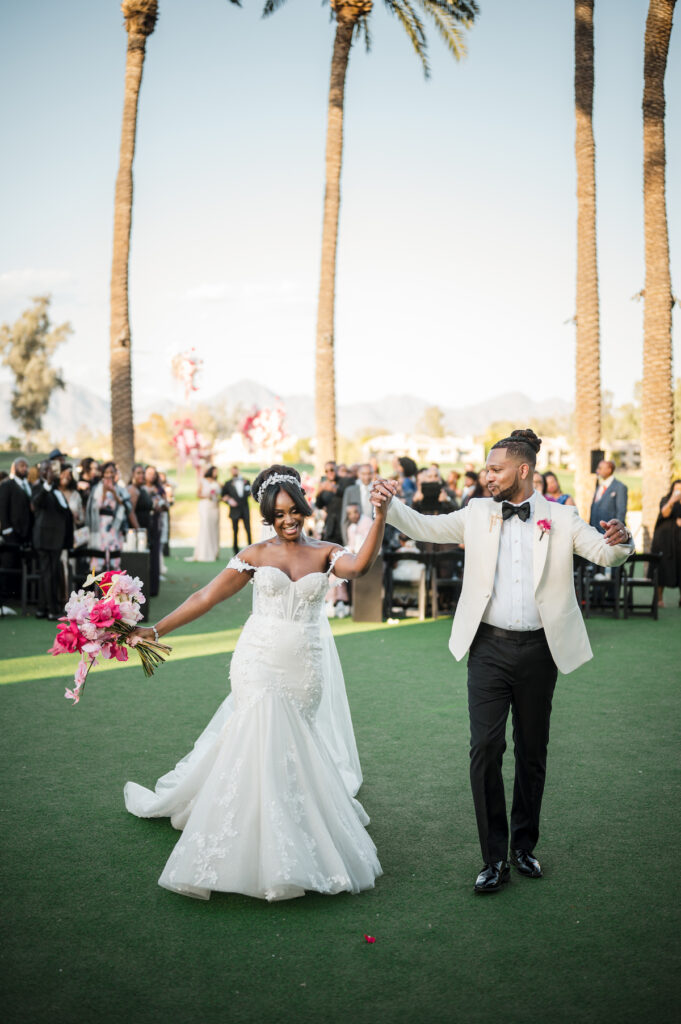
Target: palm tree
(450, 17)
(657, 403)
(140, 20)
(588, 373)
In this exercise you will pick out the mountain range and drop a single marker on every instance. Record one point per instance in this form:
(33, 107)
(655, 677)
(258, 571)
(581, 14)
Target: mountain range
(76, 407)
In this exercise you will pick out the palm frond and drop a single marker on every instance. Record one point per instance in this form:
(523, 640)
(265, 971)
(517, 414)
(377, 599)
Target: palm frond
(363, 30)
(451, 21)
(270, 6)
(413, 26)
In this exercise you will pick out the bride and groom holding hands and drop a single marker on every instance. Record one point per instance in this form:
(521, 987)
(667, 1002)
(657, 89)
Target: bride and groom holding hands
(266, 798)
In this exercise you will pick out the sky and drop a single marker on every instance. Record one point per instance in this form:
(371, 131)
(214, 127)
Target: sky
(456, 262)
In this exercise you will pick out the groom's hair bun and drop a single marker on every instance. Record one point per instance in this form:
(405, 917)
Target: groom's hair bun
(522, 445)
(292, 487)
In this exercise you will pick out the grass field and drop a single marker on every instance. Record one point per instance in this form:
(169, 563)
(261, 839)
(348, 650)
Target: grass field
(89, 935)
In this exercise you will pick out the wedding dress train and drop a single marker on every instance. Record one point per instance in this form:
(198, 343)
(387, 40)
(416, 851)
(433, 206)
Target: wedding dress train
(266, 797)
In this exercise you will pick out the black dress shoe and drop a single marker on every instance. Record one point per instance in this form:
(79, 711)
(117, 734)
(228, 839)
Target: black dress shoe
(41, 615)
(492, 876)
(526, 863)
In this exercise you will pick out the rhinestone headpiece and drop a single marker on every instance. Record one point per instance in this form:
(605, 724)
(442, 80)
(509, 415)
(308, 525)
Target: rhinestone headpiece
(275, 478)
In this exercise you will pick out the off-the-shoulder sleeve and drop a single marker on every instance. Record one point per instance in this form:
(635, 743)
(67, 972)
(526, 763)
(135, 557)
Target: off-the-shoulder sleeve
(240, 566)
(334, 558)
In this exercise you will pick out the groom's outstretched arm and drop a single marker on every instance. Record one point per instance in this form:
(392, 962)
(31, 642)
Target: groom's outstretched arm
(444, 529)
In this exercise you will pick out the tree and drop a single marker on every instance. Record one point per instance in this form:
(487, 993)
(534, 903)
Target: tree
(27, 348)
(450, 17)
(587, 370)
(140, 21)
(432, 422)
(657, 411)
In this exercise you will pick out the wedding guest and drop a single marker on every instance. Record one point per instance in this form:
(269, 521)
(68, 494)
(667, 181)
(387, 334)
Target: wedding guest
(67, 486)
(358, 494)
(667, 540)
(610, 496)
(235, 493)
(208, 541)
(108, 512)
(16, 522)
(169, 491)
(407, 469)
(88, 476)
(4, 475)
(452, 486)
(357, 526)
(152, 485)
(52, 533)
(16, 519)
(553, 490)
(329, 497)
(473, 488)
(538, 482)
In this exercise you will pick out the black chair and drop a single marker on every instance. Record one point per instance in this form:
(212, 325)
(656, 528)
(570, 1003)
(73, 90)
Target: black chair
(600, 589)
(632, 584)
(446, 576)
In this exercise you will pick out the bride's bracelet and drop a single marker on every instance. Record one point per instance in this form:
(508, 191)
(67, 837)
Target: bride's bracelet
(156, 636)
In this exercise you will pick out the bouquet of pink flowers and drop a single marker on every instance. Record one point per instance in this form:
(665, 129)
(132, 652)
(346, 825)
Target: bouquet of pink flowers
(99, 626)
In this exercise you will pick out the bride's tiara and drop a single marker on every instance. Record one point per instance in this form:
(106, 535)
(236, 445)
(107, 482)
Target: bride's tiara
(275, 478)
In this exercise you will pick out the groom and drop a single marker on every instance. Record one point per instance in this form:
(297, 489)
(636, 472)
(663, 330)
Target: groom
(519, 620)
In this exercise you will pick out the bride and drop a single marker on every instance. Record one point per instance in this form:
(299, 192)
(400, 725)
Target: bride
(266, 797)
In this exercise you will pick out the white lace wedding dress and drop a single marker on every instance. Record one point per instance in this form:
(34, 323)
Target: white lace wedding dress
(266, 797)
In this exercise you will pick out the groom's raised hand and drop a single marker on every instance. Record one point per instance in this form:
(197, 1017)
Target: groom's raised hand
(382, 491)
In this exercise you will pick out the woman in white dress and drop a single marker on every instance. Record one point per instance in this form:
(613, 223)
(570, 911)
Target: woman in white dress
(266, 797)
(208, 541)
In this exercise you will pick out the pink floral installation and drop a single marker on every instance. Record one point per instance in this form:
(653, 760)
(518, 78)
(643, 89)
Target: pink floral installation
(98, 625)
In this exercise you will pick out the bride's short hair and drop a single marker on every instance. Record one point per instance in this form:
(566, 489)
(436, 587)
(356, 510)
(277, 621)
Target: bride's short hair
(268, 497)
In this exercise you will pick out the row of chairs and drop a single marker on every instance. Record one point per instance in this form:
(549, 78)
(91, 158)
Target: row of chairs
(79, 564)
(630, 589)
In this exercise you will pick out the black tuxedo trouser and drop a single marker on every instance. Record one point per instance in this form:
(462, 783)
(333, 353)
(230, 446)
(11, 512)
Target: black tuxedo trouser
(519, 674)
(50, 569)
(246, 520)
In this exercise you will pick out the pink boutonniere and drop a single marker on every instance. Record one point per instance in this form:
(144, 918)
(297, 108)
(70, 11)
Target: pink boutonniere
(544, 525)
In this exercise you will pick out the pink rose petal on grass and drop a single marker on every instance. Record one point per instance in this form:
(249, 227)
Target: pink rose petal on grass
(370, 938)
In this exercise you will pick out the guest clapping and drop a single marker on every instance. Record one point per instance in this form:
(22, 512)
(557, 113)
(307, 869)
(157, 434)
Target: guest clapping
(667, 539)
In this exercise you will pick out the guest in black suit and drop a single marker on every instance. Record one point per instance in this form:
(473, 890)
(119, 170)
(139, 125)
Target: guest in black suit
(16, 519)
(52, 532)
(235, 493)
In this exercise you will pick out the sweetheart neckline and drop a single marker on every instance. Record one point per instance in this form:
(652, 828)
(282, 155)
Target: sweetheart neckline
(289, 578)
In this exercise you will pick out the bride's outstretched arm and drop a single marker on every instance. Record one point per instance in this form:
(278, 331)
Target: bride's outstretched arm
(225, 584)
(348, 566)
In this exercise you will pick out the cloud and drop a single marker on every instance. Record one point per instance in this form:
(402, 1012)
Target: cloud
(31, 281)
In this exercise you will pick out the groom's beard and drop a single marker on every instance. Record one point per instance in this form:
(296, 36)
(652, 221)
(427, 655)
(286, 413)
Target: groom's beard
(513, 489)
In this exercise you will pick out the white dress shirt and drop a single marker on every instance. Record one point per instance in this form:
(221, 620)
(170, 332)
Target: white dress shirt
(238, 485)
(366, 508)
(512, 604)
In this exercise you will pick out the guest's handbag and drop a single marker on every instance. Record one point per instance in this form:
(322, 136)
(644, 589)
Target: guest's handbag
(81, 537)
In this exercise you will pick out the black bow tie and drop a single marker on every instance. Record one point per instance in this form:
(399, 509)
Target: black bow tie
(521, 511)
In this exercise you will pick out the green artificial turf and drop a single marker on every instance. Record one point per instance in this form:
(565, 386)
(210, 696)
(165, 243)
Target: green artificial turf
(90, 936)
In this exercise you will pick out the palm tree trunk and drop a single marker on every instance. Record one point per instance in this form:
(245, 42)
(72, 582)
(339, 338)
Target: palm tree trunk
(588, 371)
(122, 428)
(657, 405)
(325, 382)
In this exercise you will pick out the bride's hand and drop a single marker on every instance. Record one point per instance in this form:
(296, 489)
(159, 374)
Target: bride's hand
(140, 633)
(382, 492)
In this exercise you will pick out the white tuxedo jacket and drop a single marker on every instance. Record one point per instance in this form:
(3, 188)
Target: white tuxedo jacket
(478, 527)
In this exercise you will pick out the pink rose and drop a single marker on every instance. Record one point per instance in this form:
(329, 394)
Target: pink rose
(105, 613)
